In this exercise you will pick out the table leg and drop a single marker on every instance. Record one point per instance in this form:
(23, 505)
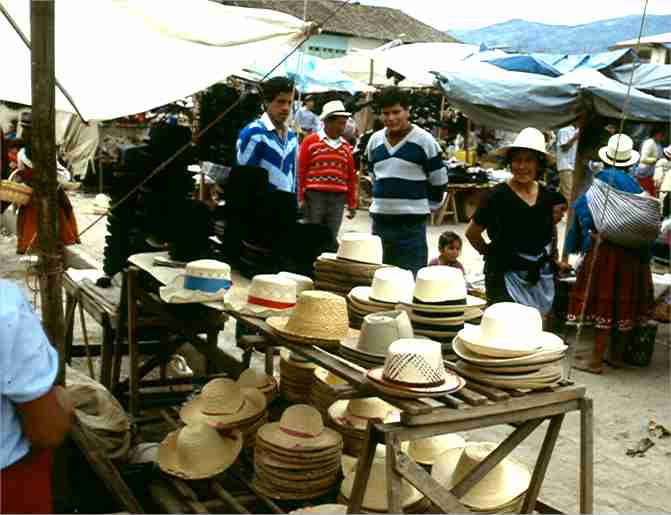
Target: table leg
(107, 355)
(134, 358)
(211, 351)
(393, 445)
(270, 357)
(363, 467)
(70, 307)
(586, 456)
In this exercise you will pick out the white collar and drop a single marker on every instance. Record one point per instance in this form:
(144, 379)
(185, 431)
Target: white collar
(268, 123)
(325, 137)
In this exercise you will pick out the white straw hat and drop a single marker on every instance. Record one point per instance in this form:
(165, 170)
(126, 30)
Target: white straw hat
(378, 332)
(252, 378)
(507, 330)
(530, 139)
(442, 289)
(390, 286)
(427, 450)
(333, 108)
(300, 428)
(303, 282)
(619, 151)
(502, 484)
(270, 295)
(355, 413)
(360, 247)
(205, 280)
(667, 152)
(198, 451)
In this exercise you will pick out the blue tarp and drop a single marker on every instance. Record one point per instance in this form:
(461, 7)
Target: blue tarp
(651, 78)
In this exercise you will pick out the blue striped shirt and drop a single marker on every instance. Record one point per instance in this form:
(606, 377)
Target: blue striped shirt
(408, 179)
(259, 145)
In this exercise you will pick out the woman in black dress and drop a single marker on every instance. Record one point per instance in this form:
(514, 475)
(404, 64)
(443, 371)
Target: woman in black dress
(517, 216)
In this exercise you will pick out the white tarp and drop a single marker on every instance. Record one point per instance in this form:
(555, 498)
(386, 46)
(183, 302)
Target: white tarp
(119, 57)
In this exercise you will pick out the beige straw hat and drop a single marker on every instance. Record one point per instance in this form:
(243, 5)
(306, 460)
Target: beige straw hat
(355, 413)
(427, 450)
(502, 484)
(223, 403)
(360, 247)
(303, 283)
(198, 451)
(252, 378)
(300, 428)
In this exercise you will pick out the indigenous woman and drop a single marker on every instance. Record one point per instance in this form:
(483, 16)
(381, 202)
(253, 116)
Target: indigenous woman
(518, 218)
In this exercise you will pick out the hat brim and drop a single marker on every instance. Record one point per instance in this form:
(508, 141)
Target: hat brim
(453, 383)
(503, 151)
(351, 343)
(603, 155)
(471, 336)
(472, 302)
(551, 350)
(254, 404)
(339, 416)
(429, 458)
(175, 293)
(262, 312)
(324, 116)
(361, 294)
(279, 324)
(272, 434)
(330, 257)
(510, 383)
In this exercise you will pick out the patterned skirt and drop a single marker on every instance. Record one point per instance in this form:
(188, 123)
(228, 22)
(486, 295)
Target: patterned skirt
(621, 293)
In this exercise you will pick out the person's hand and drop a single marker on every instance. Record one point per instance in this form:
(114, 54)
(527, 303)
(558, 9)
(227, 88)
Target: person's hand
(351, 213)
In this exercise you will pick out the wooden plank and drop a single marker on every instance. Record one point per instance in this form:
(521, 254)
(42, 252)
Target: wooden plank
(133, 354)
(586, 456)
(170, 420)
(165, 498)
(488, 391)
(545, 508)
(251, 340)
(218, 489)
(421, 480)
(363, 467)
(393, 477)
(182, 488)
(471, 397)
(542, 464)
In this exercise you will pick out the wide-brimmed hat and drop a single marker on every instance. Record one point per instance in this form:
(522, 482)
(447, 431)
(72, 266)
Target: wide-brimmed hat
(542, 378)
(223, 403)
(300, 428)
(551, 351)
(507, 330)
(270, 295)
(619, 151)
(333, 108)
(427, 450)
(502, 484)
(442, 289)
(360, 247)
(252, 378)
(319, 318)
(390, 286)
(205, 280)
(198, 451)
(667, 152)
(303, 282)
(378, 332)
(355, 413)
(530, 139)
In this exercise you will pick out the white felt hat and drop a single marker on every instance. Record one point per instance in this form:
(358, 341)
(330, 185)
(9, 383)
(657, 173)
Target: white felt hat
(360, 247)
(334, 108)
(619, 151)
(300, 428)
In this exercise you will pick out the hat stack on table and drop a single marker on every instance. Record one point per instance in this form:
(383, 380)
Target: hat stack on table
(267, 385)
(226, 405)
(359, 256)
(296, 377)
(322, 394)
(297, 457)
(389, 287)
(510, 350)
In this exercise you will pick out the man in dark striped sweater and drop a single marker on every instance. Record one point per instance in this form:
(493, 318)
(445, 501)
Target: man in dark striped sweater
(409, 179)
(326, 174)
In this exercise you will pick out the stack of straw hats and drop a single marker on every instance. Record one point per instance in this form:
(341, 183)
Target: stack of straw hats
(296, 377)
(252, 378)
(350, 418)
(297, 457)
(225, 405)
(502, 490)
(389, 287)
(368, 347)
(414, 368)
(426, 451)
(319, 318)
(358, 256)
(322, 394)
(510, 349)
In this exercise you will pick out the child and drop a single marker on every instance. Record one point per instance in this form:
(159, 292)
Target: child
(449, 246)
(559, 207)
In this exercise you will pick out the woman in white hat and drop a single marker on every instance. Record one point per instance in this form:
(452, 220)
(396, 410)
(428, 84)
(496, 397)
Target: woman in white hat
(518, 218)
(663, 173)
(620, 293)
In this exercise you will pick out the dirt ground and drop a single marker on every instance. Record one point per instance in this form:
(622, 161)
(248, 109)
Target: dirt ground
(625, 400)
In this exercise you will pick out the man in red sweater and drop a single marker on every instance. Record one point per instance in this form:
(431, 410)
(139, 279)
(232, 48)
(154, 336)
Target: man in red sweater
(326, 173)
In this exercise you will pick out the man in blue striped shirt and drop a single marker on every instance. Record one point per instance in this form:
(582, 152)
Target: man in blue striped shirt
(268, 142)
(409, 179)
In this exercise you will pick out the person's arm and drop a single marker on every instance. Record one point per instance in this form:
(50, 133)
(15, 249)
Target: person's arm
(249, 148)
(474, 236)
(46, 420)
(436, 174)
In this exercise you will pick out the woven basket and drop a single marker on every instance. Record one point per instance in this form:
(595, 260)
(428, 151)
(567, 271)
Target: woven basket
(11, 191)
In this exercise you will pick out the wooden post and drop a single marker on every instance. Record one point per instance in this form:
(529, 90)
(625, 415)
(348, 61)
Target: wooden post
(372, 72)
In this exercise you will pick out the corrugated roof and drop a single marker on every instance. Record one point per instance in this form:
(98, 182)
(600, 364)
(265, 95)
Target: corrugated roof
(354, 19)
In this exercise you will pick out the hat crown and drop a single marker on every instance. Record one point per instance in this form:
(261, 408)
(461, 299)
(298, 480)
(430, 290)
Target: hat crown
(619, 147)
(440, 284)
(392, 285)
(414, 361)
(380, 330)
(333, 108)
(208, 268)
(302, 282)
(194, 441)
(319, 314)
(370, 407)
(363, 247)
(273, 287)
(252, 378)
(509, 322)
(302, 419)
(530, 138)
(430, 448)
(221, 396)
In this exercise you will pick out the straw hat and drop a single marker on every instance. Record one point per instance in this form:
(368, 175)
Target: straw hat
(198, 451)
(334, 108)
(502, 484)
(300, 428)
(529, 138)
(355, 413)
(360, 247)
(252, 378)
(303, 283)
(270, 295)
(326, 509)
(508, 329)
(223, 403)
(427, 450)
(318, 318)
(549, 352)
(205, 280)
(619, 151)
(667, 152)
(442, 289)
(378, 332)
(390, 286)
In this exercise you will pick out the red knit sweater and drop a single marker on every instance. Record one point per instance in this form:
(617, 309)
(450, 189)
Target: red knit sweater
(324, 168)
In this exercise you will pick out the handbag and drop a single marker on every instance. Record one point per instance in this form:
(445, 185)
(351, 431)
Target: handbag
(626, 219)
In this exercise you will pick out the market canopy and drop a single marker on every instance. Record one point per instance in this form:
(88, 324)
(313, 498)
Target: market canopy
(119, 57)
(651, 78)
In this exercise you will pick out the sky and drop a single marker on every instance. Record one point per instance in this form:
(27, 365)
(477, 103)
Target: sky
(474, 14)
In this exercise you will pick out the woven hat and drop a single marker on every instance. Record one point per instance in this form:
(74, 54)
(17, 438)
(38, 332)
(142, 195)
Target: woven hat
(270, 295)
(619, 151)
(530, 139)
(300, 428)
(319, 317)
(224, 403)
(326, 509)
(198, 451)
(427, 450)
(441, 289)
(502, 484)
(252, 378)
(360, 247)
(303, 282)
(667, 152)
(378, 332)
(552, 350)
(333, 108)
(390, 286)
(355, 413)
(507, 330)
(205, 280)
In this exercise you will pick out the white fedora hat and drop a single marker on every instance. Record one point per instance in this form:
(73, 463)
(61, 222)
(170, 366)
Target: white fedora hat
(442, 289)
(355, 413)
(205, 280)
(378, 332)
(619, 151)
(530, 139)
(508, 480)
(333, 108)
(300, 428)
(198, 451)
(270, 295)
(508, 330)
(223, 403)
(302, 282)
(360, 247)
(390, 286)
(427, 450)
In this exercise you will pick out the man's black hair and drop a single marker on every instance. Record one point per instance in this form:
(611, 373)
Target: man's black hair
(391, 96)
(275, 86)
(448, 237)
(557, 199)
